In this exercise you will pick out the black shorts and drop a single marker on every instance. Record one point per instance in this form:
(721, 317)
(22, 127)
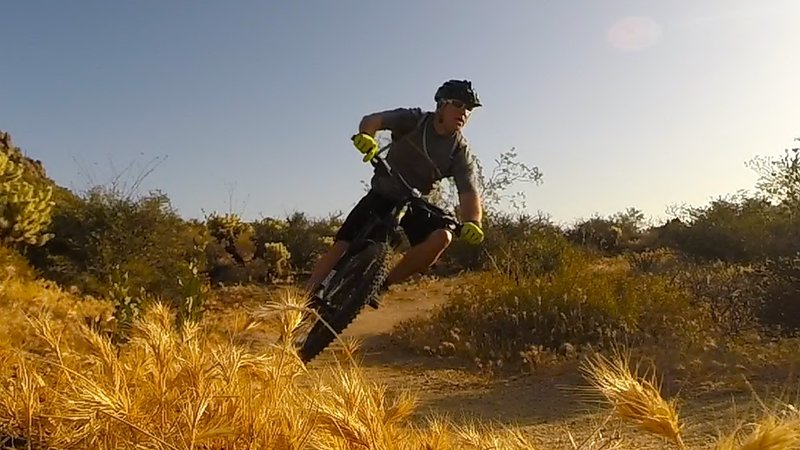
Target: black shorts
(417, 225)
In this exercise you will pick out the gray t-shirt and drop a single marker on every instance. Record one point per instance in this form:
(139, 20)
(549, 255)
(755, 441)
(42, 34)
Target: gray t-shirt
(422, 156)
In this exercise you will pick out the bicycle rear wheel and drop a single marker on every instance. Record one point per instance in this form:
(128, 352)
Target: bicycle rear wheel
(356, 284)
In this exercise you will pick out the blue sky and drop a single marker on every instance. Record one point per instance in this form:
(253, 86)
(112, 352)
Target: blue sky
(250, 105)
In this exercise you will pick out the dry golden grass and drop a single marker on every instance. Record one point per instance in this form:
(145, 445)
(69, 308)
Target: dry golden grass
(777, 429)
(22, 299)
(67, 386)
(635, 399)
(770, 433)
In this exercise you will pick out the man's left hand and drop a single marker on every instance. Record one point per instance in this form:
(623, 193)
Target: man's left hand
(471, 233)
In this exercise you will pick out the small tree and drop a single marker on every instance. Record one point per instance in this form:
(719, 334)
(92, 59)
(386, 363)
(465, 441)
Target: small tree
(779, 177)
(493, 187)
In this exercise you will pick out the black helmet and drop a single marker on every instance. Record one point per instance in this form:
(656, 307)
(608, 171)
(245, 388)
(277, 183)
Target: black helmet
(457, 90)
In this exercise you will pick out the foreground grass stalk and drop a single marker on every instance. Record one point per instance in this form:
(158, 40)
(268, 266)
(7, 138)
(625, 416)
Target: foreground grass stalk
(633, 399)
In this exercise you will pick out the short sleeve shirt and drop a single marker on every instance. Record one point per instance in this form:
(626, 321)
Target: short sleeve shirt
(423, 156)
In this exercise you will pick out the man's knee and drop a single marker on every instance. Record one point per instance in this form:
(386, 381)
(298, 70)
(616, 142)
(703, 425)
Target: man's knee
(441, 238)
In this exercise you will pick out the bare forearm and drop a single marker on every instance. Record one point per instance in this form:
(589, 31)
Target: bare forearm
(470, 206)
(370, 124)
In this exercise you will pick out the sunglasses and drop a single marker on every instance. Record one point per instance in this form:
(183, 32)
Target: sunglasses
(458, 104)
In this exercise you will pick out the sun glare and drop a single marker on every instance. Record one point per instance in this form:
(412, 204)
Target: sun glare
(634, 33)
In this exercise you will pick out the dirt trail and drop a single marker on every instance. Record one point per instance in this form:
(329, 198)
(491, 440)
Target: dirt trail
(545, 406)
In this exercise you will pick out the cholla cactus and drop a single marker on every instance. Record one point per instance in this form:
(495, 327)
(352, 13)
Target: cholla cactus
(277, 258)
(270, 230)
(25, 210)
(227, 228)
(233, 234)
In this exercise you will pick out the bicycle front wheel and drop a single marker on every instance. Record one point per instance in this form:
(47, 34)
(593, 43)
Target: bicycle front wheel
(356, 284)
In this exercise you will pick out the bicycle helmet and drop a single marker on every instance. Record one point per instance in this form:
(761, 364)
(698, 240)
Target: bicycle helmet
(458, 90)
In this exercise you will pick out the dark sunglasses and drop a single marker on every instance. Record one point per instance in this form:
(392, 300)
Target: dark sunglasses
(459, 104)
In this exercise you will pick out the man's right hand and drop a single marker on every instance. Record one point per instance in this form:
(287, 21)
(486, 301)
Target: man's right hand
(366, 144)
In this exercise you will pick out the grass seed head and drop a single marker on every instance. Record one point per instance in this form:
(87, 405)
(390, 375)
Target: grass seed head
(634, 399)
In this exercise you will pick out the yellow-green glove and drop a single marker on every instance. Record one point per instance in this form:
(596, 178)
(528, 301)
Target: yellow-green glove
(366, 144)
(471, 233)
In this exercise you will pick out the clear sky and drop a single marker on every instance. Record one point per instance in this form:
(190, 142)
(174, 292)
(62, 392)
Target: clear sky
(250, 105)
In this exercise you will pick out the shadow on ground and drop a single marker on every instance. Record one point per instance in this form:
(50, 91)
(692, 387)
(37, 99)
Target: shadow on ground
(452, 388)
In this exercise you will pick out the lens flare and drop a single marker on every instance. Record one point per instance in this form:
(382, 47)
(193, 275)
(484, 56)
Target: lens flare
(634, 33)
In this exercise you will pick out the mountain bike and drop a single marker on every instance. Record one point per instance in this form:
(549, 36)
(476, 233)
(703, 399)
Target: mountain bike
(357, 278)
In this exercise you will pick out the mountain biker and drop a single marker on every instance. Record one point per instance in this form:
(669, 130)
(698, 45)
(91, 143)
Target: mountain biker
(426, 147)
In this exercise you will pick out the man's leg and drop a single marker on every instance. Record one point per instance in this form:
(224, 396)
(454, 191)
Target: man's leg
(421, 256)
(324, 265)
(354, 221)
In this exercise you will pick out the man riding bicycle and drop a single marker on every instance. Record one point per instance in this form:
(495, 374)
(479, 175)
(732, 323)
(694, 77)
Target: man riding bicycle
(426, 147)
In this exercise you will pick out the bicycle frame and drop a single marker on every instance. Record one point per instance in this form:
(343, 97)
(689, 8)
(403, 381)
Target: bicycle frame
(385, 228)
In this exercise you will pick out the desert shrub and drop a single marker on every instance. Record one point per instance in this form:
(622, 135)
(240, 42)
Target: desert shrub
(305, 238)
(499, 320)
(660, 260)
(738, 229)
(269, 229)
(780, 287)
(730, 293)
(666, 236)
(748, 227)
(739, 297)
(104, 238)
(779, 176)
(13, 265)
(601, 234)
(610, 235)
(516, 245)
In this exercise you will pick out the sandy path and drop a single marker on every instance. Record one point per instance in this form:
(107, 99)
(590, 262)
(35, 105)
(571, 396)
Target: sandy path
(545, 405)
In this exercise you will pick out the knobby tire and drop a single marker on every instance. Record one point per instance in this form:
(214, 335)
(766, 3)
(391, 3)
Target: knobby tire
(369, 268)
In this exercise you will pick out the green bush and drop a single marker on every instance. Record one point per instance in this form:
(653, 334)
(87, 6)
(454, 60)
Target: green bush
(105, 239)
(738, 229)
(307, 239)
(610, 235)
(780, 284)
(738, 297)
(731, 293)
(518, 246)
(747, 227)
(657, 261)
(495, 319)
